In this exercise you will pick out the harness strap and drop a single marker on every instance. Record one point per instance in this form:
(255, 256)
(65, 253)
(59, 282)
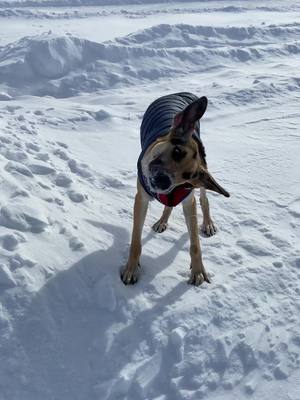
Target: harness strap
(176, 196)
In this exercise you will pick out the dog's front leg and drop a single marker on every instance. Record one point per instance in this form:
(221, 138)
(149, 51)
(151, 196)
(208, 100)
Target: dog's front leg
(162, 223)
(208, 227)
(129, 275)
(198, 273)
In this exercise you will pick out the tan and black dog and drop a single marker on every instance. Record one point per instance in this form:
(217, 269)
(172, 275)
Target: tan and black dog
(171, 165)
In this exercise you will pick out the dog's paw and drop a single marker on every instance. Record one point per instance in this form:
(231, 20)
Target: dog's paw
(130, 276)
(208, 228)
(198, 277)
(159, 226)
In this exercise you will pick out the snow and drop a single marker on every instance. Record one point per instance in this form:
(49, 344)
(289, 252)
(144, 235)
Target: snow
(66, 66)
(71, 102)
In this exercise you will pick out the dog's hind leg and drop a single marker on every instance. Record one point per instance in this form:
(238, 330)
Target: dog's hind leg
(198, 273)
(162, 224)
(208, 227)
(130, 273)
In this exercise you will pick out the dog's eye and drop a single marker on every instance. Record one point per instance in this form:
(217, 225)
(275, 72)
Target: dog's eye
(186, 175)
(178, 154)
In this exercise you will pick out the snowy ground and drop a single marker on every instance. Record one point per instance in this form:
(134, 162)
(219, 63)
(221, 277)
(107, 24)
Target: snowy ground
(71, 102)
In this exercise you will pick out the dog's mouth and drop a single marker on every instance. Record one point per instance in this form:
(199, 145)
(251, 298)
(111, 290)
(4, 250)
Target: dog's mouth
(170, 188)
(161, 183)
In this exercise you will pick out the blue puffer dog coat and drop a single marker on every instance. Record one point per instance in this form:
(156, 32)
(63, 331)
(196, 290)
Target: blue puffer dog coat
(156, 123)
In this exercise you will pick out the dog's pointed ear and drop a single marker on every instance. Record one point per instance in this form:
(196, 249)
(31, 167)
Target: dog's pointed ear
(177, 119)
(195, 110)
(206, 180)
(184, 122)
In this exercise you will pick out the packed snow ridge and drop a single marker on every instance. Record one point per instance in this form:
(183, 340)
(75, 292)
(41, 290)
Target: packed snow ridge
(75, 11)
(64, 66)
(69, 3)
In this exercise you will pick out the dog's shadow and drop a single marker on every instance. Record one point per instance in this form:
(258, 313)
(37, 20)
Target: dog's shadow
(84, 325)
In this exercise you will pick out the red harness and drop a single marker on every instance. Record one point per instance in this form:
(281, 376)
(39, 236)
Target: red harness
(176, 196)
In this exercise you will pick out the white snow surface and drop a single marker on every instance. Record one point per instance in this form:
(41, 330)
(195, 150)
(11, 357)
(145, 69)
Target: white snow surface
(71, 103)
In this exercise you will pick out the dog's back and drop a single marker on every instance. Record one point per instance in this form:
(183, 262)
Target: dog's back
(159, 116)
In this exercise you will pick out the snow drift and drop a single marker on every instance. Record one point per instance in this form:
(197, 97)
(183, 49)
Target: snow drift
(65, 66)
(70, 3)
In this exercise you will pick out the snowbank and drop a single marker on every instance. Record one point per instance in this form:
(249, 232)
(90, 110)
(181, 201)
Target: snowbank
(75, 11)
(65, 66)
(69, 3)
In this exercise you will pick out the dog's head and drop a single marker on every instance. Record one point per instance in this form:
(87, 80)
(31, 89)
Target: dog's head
(177, 158)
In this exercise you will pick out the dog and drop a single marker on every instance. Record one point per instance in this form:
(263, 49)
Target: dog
(171, 165)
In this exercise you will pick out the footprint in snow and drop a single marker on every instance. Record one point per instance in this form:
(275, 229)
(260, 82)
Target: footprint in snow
(79, 168)
(11, 109)
(11, 241)
(236, 257)
(76, 244)
(42, 156)
(113, 182)
(32, 147)
(276, 240)
(281, 371)
(19, 168)
(62, 154)
(63, 180)
(38, 112)
(19, 193)
(59, 202)
(62, 144)
(41, 169)
(18, 156)
(5, 140)
(29, 130)
(17, 261)
(20, 118)
(76, 197)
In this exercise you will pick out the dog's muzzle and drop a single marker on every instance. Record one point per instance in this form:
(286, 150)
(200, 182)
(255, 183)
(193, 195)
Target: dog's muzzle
(160, 181)
(158, 178)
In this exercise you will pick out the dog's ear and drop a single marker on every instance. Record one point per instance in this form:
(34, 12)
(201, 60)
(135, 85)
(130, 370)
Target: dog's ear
(194, 111)
(184, 122)
(206, 180)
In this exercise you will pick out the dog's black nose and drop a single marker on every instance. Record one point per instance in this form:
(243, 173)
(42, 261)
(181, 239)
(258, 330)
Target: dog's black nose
(161, 181)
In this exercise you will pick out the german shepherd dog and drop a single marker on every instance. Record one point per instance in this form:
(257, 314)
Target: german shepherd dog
(171, 165)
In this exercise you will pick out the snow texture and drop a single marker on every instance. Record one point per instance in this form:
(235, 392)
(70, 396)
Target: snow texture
(71, 105)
